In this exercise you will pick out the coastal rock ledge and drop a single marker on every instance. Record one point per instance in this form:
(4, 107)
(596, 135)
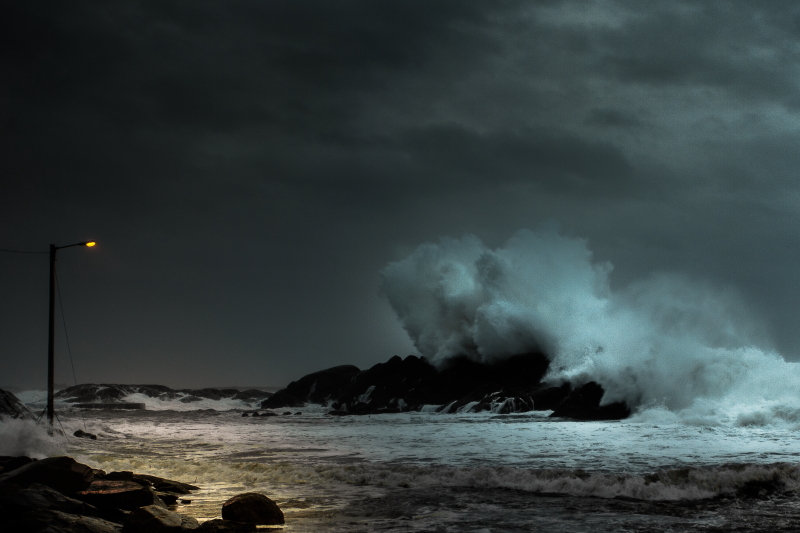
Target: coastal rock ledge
(58, 494)
(512, 385)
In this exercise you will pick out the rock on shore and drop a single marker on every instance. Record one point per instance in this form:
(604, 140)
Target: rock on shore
(513, 385)
(58, 494)
(11, 407)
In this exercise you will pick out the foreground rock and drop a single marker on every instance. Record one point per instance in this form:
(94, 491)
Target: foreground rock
(11, 407)
(225, 526)
(60, 495)
(252, 508)
(62, 474)
(156, 519)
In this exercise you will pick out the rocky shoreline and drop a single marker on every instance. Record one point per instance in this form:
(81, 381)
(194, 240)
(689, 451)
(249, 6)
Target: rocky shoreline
(512, 385)
(60, 495)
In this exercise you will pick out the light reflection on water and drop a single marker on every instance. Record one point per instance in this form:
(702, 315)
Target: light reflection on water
(377, 472)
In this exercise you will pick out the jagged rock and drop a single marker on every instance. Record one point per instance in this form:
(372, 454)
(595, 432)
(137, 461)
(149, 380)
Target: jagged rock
(127, 495)
(549, 398)
(225, 526)
(9, 463)
(63, 474)
(16, 502)
(11, 407)
(155, 519)
(252, 508)
(583, 403)
(316, 388)
(84, 435)
(250, 395)
(282, 398)
(49, 521)
(159, 483)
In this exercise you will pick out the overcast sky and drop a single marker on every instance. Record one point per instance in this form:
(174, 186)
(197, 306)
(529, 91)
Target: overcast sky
(249, 167)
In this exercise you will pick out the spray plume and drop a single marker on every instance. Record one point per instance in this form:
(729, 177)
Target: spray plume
(665, 342)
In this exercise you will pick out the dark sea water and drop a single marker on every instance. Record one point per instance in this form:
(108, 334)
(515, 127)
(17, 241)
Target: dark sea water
(451, 473)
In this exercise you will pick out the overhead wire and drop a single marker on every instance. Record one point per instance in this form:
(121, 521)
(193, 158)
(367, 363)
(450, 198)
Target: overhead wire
(21, 251)
(69, 348)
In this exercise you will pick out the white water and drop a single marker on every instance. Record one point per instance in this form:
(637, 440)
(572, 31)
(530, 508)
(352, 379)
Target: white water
(662, 343)
(432, 472)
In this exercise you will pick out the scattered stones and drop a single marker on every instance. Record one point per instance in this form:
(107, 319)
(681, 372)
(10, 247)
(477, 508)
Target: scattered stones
(252, 508)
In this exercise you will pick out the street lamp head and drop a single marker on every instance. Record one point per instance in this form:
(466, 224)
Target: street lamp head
(90, 244)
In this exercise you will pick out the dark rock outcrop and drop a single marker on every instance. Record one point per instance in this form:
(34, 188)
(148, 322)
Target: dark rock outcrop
(318, 387)
(511, 385)
(34, 499)
(9, 463)
(17, 502)
(156, 519)
(583, 403)
(252, 508)
(11, 407)
(63, 474)
(126, 495)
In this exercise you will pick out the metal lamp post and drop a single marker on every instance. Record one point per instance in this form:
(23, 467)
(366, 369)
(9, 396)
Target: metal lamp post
(51, 366)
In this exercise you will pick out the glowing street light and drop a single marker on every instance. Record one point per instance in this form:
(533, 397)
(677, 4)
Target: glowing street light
(51, 366)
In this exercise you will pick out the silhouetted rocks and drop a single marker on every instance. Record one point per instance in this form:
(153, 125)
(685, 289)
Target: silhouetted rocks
(583, 403)
(157, 519)
(319, 387)
(37, 497)
(252, 508)
(63, 474)
(8, 463)
(105, 393)
(511, 385)
(126, 495)
(11, 407)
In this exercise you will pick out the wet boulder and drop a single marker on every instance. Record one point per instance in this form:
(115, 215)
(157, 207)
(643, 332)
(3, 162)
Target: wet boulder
(49, 521)
(252, 508)
(84, 435)
(155, 519)
(37, 497)
(127, 495)
(63, 474)
(583, 403)
(9, 463)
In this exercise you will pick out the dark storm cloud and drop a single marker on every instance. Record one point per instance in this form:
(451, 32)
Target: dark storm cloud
(251, 166)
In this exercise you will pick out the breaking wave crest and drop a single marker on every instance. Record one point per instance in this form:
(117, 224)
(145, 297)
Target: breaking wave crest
(666, 344)
(691, 483)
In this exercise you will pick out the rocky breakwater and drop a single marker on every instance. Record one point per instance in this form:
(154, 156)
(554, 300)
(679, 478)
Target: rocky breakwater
(512, 385)
(58, 494)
